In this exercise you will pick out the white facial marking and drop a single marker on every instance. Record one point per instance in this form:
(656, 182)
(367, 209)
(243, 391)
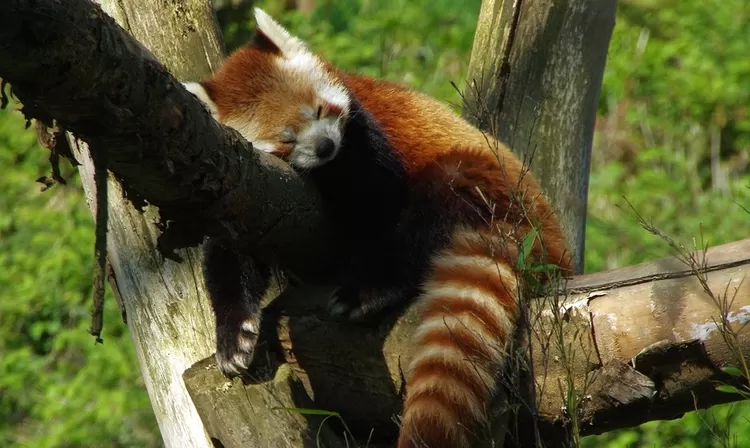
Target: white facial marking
(325, 86)
(263, 145)
(304, 154)
(297, 58)
(250, 130)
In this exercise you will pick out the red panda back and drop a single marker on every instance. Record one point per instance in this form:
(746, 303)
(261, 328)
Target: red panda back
(469, 302)
(439, 149)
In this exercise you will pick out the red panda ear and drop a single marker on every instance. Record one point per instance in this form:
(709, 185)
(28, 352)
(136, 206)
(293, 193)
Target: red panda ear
(270, 36)
(263, 43)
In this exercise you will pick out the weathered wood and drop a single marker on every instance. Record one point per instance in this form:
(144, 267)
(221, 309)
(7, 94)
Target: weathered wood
(534, 80)
(654, 315)
(161, 298)
(69, 61)
(265, 414)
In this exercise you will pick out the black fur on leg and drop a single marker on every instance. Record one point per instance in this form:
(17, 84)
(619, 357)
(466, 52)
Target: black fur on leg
(236, 284)
(388, 269)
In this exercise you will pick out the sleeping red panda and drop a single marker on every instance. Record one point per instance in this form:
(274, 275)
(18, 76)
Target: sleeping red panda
(432, 210)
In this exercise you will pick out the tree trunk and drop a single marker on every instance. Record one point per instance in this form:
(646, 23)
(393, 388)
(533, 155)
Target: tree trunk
(534, 81)
(157, 138)
(166, 306)
(101, 86)
(617, 349)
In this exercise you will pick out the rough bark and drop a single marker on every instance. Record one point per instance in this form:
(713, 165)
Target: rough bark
(159, 139)
(106, 89)
(534, 80)
(636, 344)
(69, 61)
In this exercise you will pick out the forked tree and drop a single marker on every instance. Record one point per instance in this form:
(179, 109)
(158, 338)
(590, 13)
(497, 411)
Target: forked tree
(175, 176)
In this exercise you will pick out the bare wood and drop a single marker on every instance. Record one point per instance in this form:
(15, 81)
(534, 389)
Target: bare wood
(653, 315)
(157, 293)
(166, 149)
(534, 80)
(261, 416)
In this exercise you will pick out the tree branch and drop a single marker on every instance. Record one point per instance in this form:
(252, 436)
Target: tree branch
(636, 344)
(71, 61)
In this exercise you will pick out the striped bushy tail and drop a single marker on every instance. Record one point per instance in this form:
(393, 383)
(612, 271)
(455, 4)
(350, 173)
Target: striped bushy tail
(469, 311)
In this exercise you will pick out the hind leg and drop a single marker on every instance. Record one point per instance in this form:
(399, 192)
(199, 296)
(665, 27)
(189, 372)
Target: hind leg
(361, 295)
(392, 258)
(387, 274)
(236, 284)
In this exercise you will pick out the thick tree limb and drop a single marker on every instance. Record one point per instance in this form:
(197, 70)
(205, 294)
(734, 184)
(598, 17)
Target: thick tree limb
(164, 148)
(71, 61)
(637, 344)
(534, 80)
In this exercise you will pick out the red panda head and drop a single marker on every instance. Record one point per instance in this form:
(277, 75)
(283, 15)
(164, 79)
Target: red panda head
(280, 96)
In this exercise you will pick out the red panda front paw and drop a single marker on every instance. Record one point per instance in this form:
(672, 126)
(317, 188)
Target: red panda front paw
(235, 345)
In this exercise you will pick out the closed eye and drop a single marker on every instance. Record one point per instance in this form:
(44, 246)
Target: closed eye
(289, 142)
(320, 112)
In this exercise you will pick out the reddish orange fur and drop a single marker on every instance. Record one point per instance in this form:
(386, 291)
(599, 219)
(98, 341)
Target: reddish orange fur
(477, 175)
(250, 87)
(476, 178)
(438, 146)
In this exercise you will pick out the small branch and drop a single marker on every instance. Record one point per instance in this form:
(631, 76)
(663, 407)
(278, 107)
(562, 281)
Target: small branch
(100, 243)
(53, 138)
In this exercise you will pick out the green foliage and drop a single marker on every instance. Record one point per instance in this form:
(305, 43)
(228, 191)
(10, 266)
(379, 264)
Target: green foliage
(57, 387)
(663, 100)
(679, 71)
(660, 193)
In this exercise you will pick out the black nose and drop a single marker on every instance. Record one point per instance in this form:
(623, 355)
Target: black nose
(325, 148)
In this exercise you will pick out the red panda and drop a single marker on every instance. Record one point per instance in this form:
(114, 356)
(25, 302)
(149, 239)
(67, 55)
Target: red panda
(433, 209)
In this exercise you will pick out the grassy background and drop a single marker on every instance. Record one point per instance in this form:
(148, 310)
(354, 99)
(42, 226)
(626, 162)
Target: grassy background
(676, 85)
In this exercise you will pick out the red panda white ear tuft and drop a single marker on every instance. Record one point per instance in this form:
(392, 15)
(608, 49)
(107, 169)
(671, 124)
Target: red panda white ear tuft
(271, 36)
(198, 90)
